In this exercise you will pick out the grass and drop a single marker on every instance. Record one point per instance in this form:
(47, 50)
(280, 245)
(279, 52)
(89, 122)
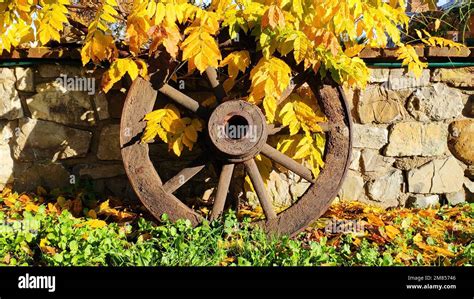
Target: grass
(71, 230)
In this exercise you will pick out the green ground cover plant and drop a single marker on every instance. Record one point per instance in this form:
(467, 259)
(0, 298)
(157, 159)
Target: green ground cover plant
(72, 228)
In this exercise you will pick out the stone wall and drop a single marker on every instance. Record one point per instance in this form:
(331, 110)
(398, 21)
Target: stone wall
(413, 138)
(53, 134)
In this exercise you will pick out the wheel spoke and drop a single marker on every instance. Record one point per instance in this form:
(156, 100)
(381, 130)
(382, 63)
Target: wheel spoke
(222, 189)
(259, 186)
(287, 162)
(182, 177)
(183, 99)
(216, 85)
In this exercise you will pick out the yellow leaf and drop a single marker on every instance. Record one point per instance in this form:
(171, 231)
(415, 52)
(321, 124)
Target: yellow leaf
(374, 220)
(191, 133)
(408, 54)
(437, 24)
(418, 238)
(93, 223)
(45, 248)
(270, 106)
(31, 207)
(392, 232)
(200, 47)
(92, 214)
(443, 252)
(354, 50)
(273, 17)
(178, 146)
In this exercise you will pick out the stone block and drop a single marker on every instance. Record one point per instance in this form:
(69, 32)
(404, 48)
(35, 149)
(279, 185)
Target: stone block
(417, 139)
(109, 144)
(448, 52)
(10, 104)
(457, 77)
(379, 105)
(386, 189)
(100, 171)
(379, 75)
(6, 165)
(7, 129)
(25, 79)
(374, 164)
(55, 103)
(101, 106)
(436, 102)
(28, 176)
(422, 201)
(56, 70)
(355, 160)
(456, 197)
(353, 187)
(42, 140)
(366, 136)
(437, 176)
(461, 140)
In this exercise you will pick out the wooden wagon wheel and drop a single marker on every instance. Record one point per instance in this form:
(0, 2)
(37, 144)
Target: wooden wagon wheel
(157, 196)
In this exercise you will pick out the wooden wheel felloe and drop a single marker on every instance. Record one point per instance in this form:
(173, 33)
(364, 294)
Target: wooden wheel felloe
(157, 195)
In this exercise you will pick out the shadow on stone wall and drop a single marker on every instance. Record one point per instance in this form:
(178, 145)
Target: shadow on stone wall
(56, 135)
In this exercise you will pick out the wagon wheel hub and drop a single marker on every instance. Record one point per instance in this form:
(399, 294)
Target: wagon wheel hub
(237, 130)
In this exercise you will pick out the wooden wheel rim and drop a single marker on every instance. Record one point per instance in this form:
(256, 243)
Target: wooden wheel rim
(149, 187)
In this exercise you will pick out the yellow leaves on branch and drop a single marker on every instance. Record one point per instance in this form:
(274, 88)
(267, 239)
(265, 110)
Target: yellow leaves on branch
(157, 21)
(270, 77)
(167, 35)
(51, 19)
(19, 18)
(297, 113)
(138, 24)
(119, 68)
(99, 44)
(410, 58)
(200, 48)
(435, 41)
(235, 62)
(168, 125)
(306, 147)
(298, 42)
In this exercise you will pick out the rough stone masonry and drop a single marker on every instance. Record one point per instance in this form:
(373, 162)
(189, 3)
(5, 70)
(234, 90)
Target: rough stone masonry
(413, 139)
(413, 144)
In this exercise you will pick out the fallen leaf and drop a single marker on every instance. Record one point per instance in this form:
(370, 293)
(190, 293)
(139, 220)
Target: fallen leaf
(374, 220)
(94, 223)
(392, 232)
